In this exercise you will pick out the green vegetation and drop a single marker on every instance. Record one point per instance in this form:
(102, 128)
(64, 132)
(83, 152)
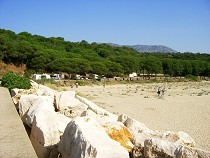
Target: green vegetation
(191, 77)
(55, 55)
(11, 80)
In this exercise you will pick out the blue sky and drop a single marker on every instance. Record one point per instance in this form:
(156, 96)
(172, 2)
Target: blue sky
(183, 25)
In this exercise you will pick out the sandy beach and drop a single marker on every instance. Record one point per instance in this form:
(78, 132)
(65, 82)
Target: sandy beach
(185, 106)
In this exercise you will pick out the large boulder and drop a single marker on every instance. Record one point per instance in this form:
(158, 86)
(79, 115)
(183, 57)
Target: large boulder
(27, 101)
(17, 93)
(15, 96)
(66, 103)
(140, 133)
(139, 130)
(64, 99)
(44, 91)
(120, 133)
(35, 104)
(159, 148)
(85, 138)
(115, 129)
(179, 138)
(92, 106)
(47, 129)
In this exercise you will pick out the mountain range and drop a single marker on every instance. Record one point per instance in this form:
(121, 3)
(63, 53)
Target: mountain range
(147, 48)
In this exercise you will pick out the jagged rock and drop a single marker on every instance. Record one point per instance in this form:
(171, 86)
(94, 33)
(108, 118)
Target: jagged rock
(89, 113)
(95, 132)
(159, 148)
(67, 104)
(85, 138)
(73, 112)
(33, 104)
(179, 138)
(66, 99)
(140, 133)
(14, 92)
(62, 99)
(116, 130)
(17, 93)
(27, 101)
(15, 96)
(92, 106)
(121, 134)
(44, 91)
(138, 129)
(47, 129)
(34, 84)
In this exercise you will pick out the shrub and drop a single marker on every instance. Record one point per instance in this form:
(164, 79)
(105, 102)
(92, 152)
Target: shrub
(12, 80)
(191, 77)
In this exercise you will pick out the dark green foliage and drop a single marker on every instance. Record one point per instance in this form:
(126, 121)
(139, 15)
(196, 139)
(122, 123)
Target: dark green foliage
(11, 80)
(54, 54)
(191, 77)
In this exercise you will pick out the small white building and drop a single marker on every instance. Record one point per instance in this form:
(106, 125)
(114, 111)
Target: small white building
(76, 76)
(40, 76)
(57, 76)
(134, 74)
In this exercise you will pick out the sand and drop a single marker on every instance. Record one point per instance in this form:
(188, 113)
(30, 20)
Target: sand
(185, 106)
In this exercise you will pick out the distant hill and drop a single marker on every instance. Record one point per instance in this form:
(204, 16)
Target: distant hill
(147, 48)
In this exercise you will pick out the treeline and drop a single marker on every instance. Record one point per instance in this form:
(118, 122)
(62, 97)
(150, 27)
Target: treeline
(54, 54)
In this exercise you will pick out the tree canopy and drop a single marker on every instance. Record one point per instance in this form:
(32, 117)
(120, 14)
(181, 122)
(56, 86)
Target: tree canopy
(54, 54)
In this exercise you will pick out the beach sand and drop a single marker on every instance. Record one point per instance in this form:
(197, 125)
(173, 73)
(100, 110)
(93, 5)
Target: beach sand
(185, 106)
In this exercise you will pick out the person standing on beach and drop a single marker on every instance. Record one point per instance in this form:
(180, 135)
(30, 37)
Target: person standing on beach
(104, 86)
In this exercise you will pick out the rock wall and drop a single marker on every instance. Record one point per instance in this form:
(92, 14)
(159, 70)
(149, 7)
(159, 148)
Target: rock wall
(64, 124)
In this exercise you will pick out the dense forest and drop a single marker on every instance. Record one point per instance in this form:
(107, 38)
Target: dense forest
(54, 54)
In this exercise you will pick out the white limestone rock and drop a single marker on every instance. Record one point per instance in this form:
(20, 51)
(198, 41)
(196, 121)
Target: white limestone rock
(115, 129)
(142, 133)
(67, 104)
(17, 93)
(34, 84)
(85, 138)
(64, 99)
(47, 129)
(44, 91)
(138, 129)
(99, 111)
(89, 113)
(35, 103)
(159, 148)
(179, 138)
(118, 132)
(15, 96)
(14, 92)
(73, 112)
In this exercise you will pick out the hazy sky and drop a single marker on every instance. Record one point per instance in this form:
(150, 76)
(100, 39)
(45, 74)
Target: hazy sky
(183, 25)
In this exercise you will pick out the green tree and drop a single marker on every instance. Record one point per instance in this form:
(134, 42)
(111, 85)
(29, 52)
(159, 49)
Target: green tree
(69, 66)
(130, 64)
(153, 65)
(114, 69)
(167, 65)
(187, 67)
(99, 68)
(177, 68)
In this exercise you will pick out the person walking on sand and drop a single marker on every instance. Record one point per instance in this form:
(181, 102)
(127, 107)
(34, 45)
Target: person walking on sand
(158, 91)
(77, 85)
